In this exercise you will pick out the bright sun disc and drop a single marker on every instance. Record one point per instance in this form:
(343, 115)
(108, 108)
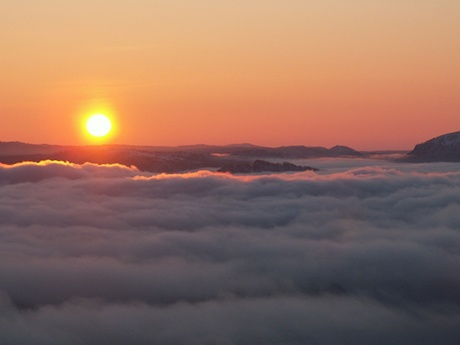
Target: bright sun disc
(98, 125)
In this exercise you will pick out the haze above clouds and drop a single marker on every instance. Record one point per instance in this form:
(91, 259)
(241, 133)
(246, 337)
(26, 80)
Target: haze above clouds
(362, 252)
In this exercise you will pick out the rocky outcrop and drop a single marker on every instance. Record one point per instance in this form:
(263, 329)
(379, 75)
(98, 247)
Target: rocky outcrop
(445, 148)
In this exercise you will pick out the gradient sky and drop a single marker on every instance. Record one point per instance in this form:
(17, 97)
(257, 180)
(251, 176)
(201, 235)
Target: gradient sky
(367, 74)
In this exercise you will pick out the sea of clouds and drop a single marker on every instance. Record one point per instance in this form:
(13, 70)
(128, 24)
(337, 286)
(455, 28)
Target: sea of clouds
(362, 252)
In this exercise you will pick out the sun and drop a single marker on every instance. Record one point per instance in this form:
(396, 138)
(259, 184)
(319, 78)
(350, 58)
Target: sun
(98, 125)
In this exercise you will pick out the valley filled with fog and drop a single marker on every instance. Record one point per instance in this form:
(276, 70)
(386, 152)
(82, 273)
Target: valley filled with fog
(361, 251)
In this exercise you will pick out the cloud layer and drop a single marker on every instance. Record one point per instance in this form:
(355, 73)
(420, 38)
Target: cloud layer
(365, 252)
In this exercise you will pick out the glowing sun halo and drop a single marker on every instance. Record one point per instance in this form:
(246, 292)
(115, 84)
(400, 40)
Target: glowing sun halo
(98, 125)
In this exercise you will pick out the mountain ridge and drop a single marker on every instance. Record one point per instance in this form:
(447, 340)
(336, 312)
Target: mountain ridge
(164, 158)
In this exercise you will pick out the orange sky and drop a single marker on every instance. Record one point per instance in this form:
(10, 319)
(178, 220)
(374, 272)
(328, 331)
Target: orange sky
(367, 74)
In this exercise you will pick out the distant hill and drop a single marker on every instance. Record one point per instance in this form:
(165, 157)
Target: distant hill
(259, 166)
(14, 148)
(170, 159)
(294, 152)
(445, 148)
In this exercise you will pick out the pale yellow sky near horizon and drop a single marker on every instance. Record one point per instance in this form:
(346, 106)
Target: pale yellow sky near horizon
(367, 74)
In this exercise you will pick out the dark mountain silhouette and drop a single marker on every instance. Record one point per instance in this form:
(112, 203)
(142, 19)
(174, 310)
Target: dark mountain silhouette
(296, 152)
(259, 166)
(17, 148)
(173, 159)
(445, 148)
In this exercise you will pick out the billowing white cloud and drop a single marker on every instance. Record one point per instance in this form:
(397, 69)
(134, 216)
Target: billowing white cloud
(362, 252)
